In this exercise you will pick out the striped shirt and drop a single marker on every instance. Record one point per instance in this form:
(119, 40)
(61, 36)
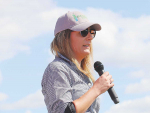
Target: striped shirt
(63, 82)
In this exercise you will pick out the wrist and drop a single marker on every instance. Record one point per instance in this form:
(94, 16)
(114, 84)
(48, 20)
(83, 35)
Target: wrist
(96, 91)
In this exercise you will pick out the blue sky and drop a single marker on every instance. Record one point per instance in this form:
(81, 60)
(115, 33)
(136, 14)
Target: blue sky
(123, 44)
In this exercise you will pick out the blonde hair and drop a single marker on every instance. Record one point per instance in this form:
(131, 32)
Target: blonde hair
(61, 43)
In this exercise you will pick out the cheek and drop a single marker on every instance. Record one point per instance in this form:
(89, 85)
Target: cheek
(74, 45)
(75, 42)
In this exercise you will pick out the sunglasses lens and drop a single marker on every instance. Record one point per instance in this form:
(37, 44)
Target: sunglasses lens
(93, 32)
(84, 33)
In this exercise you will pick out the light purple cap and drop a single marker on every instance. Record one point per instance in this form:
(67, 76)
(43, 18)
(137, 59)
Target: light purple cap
(75, 21)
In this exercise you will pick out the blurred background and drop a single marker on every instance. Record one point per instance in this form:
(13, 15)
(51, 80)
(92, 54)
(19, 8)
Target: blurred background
(123, 45)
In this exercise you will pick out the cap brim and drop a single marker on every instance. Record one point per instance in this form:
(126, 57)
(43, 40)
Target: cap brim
(85, 25)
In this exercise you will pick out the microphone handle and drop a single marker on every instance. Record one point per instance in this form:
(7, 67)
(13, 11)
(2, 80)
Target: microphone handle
(111, 91)
(113, 95)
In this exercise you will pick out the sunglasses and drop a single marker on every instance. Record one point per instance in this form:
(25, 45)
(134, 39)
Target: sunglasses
(85, 32)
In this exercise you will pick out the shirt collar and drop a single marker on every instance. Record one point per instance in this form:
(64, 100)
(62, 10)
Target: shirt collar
(64, 58)
(71, 63)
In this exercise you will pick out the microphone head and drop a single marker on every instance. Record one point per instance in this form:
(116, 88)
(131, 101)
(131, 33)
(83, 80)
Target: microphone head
(98, 66)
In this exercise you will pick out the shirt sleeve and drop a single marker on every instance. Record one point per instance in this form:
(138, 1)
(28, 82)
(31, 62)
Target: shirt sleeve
(56, 88)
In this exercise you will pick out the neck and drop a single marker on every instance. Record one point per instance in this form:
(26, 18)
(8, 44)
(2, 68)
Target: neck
(78, 61)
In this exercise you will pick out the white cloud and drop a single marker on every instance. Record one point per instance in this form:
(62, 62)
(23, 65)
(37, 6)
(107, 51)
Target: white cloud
(122, 42)
(3, 96)
(34, 100)
(141, 87)
(28, 111)
(141, 105)
(0, 77)
(22, 21)
(138, 74)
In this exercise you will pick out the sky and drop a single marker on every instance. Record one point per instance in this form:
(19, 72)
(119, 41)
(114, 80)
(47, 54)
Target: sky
(123, 44)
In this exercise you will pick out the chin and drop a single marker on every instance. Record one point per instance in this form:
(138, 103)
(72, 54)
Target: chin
(86, 53)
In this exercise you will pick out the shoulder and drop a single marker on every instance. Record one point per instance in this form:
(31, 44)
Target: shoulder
(58, 68)
(58, 64)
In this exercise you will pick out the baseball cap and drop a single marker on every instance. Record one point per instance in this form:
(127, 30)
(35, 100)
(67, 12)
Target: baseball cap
(75, 21)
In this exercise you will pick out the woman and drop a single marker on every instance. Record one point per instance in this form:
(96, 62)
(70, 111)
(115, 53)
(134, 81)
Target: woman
(68, 85)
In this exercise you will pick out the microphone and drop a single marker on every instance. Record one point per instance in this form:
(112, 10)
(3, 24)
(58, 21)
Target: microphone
(98, 66)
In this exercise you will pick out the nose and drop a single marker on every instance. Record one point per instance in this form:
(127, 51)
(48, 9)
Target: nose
(89, 36)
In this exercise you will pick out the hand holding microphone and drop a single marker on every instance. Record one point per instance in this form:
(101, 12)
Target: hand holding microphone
(104, 82)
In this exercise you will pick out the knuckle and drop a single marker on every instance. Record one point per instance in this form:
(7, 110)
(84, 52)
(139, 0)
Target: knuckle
(108, 82)
(101, 77)
(112, 85)
(107, 72)
(108, 86)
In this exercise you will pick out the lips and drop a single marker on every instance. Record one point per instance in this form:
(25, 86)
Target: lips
(87, 45)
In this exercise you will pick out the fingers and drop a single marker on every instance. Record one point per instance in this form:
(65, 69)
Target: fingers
(106, 73)
(103, 83)
(108, 77)
(111, 80)
(111, 85)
